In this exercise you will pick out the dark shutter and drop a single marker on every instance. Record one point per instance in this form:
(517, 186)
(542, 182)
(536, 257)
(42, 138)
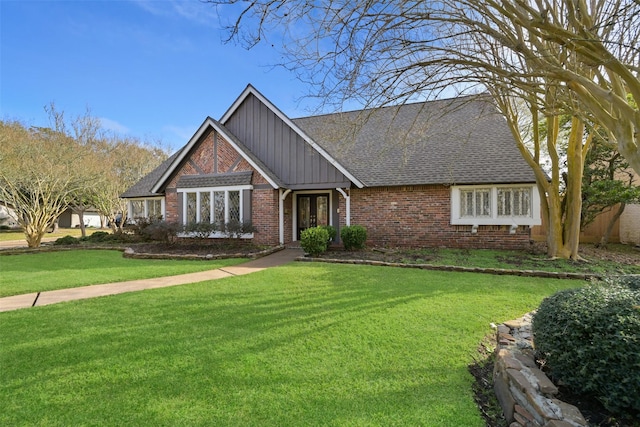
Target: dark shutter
(246, 206)
(180, 210)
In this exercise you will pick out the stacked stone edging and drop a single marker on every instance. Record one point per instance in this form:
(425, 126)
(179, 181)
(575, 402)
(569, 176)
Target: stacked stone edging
(497, 271)
(525, 393)
(130, 253)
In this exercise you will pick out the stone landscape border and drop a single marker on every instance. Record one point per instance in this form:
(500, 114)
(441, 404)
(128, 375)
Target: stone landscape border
(525, 393)
(131, 253)
(497, 271)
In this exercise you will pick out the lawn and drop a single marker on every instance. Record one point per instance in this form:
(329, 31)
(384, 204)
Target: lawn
(44, 271)
(307, 344)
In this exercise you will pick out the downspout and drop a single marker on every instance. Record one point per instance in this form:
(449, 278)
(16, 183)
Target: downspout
(348, 205)
(283, 195)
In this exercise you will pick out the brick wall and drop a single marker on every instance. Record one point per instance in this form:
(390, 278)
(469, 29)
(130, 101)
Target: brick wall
(419, 216)
(213, 154)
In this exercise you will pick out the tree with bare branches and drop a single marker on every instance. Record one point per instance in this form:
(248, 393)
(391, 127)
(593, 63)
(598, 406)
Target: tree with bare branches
(578, 58)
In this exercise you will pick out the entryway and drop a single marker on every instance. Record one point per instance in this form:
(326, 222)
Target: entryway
(313, 210)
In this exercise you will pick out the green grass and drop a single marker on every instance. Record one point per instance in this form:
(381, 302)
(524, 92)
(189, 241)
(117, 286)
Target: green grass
(307, 344)
(522, 260)
(44, 271)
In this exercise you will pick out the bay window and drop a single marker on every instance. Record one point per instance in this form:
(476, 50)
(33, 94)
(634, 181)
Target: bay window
(216, 205)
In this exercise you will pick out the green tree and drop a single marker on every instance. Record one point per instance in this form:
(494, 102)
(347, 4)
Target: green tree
(608, 183)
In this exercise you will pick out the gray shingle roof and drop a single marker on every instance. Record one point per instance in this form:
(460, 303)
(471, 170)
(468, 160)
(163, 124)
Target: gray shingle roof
(217, 180)
(143, 187)
(455, 141)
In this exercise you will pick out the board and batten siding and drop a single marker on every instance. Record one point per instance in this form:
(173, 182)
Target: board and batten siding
(281, 149)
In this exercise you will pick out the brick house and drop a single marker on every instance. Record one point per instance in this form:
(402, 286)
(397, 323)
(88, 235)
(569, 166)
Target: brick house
(442, 173)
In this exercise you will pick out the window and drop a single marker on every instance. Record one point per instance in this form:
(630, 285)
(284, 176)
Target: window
(514, 201)
(476, 202)
(146, 208)
(205, 207)
(137, 209)
(192, 203)
(219, 206)
(154, 208)
(495, 205)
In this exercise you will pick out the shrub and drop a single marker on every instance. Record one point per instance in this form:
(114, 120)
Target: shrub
(201, 230)
(67, 240)
(331, 230)
(353, 237)
(161, 231)
(235, 229)
(97, 237)
(314, 240)
(590, 340)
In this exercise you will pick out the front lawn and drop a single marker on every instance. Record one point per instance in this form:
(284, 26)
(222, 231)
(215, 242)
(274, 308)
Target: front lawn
(303, 344)
(45, 271)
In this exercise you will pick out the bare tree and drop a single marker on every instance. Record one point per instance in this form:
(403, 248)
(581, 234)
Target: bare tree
(563, 57)
(38, 176)
(381, 51)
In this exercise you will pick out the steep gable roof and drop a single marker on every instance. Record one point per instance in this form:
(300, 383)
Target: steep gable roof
(253, 160)
(297, 159)
(454, 141)
(143, 187)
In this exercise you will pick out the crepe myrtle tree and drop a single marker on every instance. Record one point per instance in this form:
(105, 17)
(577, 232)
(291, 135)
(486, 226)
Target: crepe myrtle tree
(39, 176)
(539, 60)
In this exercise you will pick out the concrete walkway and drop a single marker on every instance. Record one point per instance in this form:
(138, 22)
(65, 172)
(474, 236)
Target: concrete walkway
(51, 297)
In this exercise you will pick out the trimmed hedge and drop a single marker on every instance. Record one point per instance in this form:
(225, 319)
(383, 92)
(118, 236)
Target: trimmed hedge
(590, 340)
(353, 237)
(314, 240)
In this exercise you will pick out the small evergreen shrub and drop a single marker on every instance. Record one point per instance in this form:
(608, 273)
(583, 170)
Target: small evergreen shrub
(314, 240)
(353, 237)
(331, 230)
(590, 340)
(98, 237)
(67, 240)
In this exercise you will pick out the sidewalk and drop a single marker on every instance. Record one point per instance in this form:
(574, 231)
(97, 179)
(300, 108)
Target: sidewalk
(51, 297)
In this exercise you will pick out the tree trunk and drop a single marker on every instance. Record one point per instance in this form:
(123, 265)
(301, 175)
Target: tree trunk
(83, 229)
(33, 236)
(607, 233)
(573, 196)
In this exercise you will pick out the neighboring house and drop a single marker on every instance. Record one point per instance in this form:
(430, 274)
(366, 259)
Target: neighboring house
(71, 219)
(443, 173)
(7, 216)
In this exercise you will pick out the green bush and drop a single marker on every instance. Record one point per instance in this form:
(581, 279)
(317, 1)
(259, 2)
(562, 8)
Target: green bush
(67, 240)
(97, 237)
(590, 340)
(353, 237)
(331, 230)
(314, 240)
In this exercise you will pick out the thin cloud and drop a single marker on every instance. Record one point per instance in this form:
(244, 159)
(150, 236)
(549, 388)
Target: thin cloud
(193, 11)
(113, 126)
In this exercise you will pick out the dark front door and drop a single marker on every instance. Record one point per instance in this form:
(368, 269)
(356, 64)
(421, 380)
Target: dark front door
(313, 210)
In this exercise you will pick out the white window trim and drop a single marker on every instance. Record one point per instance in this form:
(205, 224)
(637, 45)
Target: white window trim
(146, 209)
(530, 220)
(211, 190)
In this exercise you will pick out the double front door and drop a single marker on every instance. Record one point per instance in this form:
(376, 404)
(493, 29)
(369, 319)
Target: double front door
(313, 210)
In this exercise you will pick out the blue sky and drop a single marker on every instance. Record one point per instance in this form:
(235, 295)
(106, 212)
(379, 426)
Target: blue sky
(153, 69)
